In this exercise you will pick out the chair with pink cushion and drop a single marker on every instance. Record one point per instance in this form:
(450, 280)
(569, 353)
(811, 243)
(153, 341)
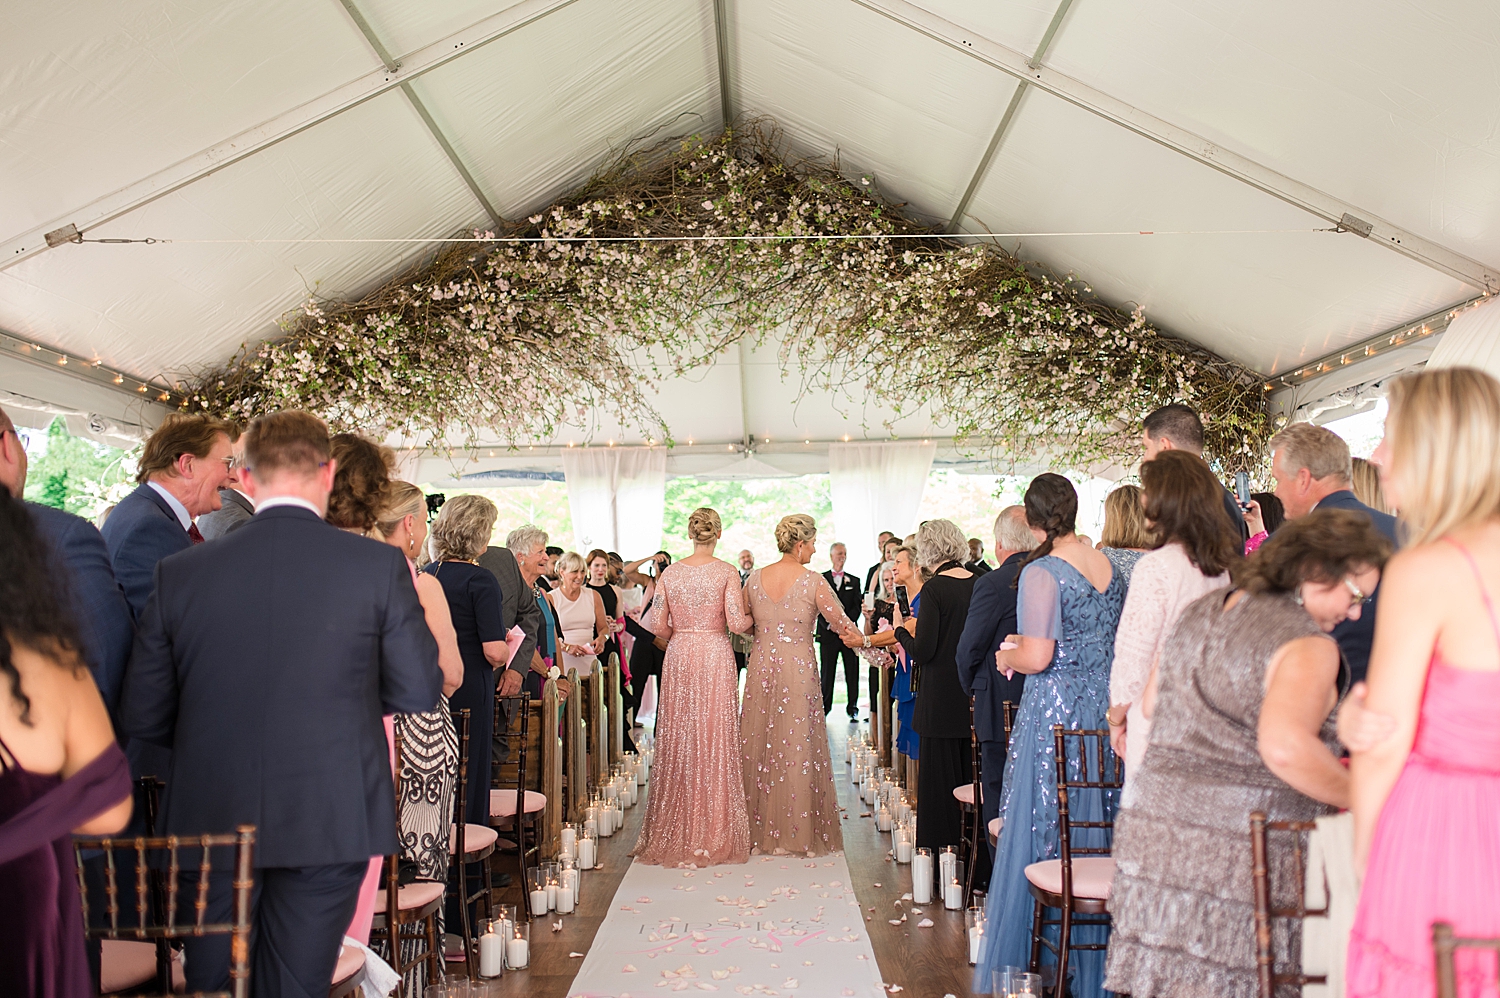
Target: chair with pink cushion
(467, 845)
(167, 908)
(348, 973)
(512, 804)
(407, 913)
(970, 797)
(1077, 883)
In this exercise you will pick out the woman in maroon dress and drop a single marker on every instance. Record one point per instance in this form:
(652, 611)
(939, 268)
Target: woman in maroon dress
(61, 770)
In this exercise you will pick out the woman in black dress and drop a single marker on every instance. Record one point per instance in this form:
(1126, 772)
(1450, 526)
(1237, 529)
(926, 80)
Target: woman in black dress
(941, 714)
(460, 535)
(598, 568)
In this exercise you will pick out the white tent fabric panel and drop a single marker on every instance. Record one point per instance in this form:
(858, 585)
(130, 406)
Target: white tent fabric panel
(845, 82)
(174, 309)
(533, 114)
(1266, 300)
(98, 95)
(1472, 340)
(1390, 104)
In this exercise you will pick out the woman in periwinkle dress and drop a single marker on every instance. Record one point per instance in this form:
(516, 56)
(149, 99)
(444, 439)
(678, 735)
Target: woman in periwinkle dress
(1068, 605)
(695, 813)
(788, 776)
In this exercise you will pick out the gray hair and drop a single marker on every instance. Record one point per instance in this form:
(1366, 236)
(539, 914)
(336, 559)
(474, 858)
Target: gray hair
(525, 538)
(1011, 531)
(1318, 449)
(940, 541)
(463, 527)
(885, 566)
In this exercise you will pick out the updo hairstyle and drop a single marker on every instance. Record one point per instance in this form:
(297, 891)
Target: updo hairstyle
(1051, 507)
(793, 530)
(361, 481)
(1323, 546)
(403, 499)
(704, 525)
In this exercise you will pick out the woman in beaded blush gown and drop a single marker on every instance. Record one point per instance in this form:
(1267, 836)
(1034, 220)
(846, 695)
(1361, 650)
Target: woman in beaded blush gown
(695, 812)
(788, 775)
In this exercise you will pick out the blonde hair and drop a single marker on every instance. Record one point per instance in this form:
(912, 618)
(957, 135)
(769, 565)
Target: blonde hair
(1443, 430)
(1318, 449)
(402, 499)
(704, 525)
(940, 541)
(463, 527)
(1366, 484)
(793, 530)
(570, 562)
(1124, 520)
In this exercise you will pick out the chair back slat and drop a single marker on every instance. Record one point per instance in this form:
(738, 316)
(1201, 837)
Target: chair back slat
(1444, 946)
(1266, 911)
(1099, 768)
(156, 902)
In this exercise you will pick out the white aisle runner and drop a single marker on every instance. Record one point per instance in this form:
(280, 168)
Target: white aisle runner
(778, 925)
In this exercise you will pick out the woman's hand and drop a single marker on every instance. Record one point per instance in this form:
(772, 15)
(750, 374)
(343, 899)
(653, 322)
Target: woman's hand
(1117, 727)
(1361, 729)
(1253, 518)
(910, 623)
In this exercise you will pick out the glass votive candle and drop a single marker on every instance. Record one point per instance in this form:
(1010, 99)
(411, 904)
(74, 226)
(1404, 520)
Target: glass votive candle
(882, 818)
(953, 892)
(974, 920)
(567, 846)
(550, 875)
(947, 862)
(588, 850)
(536, 894)
(518, 946)
(921, 876)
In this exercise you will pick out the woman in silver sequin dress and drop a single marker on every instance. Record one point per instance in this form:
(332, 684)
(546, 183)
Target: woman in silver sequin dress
(788, 776)
(695, 813)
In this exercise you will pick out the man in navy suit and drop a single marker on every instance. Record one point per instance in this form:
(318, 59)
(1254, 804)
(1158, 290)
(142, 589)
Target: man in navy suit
(103, 617)
(1313, 470)
(265, 661)
(830, 645)
(992, 615)
(1177, 427)
(183, 466)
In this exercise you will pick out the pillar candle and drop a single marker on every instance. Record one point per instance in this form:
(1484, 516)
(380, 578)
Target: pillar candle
(569, 843)
(564, 900)
(539, 901)
(976, 936)
(517, 954)
(921, 877)
(953, 895)
(491, 953)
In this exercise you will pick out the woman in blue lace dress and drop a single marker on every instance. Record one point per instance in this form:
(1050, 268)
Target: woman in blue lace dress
(1068, 605)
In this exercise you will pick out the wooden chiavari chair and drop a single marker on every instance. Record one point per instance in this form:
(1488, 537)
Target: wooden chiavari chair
(408, 912)
(470, 844)
(511, 802)
(1444, 943)
(1266, 912)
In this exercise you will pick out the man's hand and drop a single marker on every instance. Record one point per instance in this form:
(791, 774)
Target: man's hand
(510, 683)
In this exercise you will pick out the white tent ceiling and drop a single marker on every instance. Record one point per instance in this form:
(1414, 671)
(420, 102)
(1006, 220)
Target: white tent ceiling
(244, 120)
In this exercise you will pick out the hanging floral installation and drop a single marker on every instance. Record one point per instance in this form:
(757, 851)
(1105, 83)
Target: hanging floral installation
(672, 254)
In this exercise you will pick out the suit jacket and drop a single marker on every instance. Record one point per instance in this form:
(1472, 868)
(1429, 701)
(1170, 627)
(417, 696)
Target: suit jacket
(140, 532)
(1355, 636)
(517, 606)
(850, 595)
(104, 619)
(265, 661)
(234, 513)
(979, 567)
(992, 615)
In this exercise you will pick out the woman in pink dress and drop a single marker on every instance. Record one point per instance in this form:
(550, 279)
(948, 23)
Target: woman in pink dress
(1427, 796)
(695, 812)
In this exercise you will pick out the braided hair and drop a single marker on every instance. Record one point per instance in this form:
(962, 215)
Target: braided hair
(33, 606)
(1052, 507)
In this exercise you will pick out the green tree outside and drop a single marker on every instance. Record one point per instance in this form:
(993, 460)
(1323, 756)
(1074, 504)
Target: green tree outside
(76, 474)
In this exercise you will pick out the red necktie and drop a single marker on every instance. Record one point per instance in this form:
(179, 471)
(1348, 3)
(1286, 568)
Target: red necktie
(195, 533)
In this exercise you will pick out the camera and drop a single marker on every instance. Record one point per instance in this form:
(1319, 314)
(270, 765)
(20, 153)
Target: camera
(435, 503)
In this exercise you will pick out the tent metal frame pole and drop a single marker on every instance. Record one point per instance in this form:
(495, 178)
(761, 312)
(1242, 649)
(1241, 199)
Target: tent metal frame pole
(1346, 217)
(279, 128)
(721, 41)
(1010, 112)
(393, 65)
(142, 390)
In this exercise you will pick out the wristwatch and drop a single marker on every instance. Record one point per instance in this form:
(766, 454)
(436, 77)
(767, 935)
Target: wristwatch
(867, 641)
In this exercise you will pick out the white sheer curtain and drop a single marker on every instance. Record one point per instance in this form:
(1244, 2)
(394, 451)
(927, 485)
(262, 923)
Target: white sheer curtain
(1472, 340)
(617, 496)
(875, 487)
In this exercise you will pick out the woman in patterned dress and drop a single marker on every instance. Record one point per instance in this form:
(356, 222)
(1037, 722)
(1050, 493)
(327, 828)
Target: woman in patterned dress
(788, 776)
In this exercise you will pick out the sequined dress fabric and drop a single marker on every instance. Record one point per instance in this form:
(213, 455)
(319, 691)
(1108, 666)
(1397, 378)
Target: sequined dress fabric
(695, 812)
(788, 775)
(1072, 691)
(1183, 900)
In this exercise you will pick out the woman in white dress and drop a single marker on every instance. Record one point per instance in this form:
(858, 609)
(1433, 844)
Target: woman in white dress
(580, 614)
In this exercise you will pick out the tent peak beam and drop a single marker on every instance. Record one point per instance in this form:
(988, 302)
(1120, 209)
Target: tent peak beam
(393, 66)
(1189, 144)
(281, 127)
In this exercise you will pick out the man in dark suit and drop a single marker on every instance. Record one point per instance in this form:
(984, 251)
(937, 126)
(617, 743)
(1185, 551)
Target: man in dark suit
(1312, 468)
(992, 615)
(183, 466)
(1177, 427)
(276, 721)
(831, 647)
(518, 607)
(235, 508)
(103, 616)
(976, 562)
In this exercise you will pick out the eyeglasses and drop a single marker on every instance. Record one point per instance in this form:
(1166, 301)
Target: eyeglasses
(1359, 598)
(228, 462)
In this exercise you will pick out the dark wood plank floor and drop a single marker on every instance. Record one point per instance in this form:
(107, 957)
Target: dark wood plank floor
(925, 962)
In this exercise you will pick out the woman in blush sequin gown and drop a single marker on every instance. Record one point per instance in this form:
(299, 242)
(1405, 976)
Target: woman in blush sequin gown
(695, 812)
(788, 776)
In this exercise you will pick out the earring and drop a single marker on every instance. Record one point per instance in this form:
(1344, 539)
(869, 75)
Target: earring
(411, 545)
(1297, 596)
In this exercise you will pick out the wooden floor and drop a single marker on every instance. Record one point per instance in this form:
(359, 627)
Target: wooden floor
(924, 962)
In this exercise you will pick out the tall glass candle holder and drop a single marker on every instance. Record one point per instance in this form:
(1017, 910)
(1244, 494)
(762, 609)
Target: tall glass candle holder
(567, 846)
(921, 876)
(588, 849)
(974, 920)
(518, 946)
(536, 891)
